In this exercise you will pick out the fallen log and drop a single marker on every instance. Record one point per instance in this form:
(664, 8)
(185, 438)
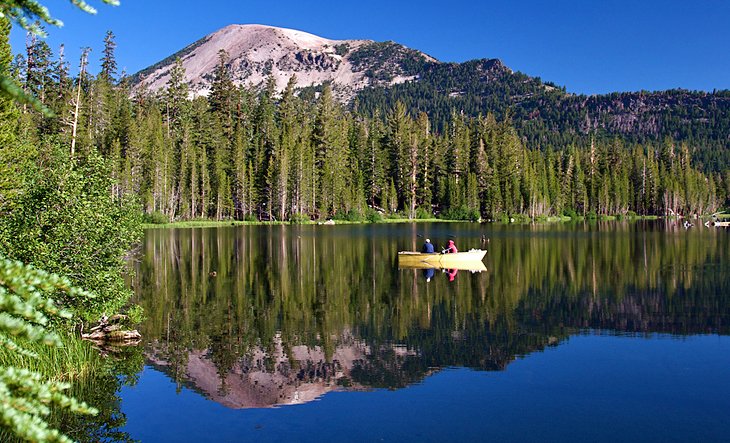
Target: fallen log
(111, 330)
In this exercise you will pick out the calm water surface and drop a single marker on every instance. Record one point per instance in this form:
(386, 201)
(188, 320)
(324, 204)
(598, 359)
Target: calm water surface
(587, 332)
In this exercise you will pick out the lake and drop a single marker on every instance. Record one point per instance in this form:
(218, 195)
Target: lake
(574, 332)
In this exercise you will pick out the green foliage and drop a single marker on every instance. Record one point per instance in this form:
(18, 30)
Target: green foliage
(460, 213)
(423, 213)
(27, 398)
(549, 118)
(342, 49)
(25, 310)
(136, 314)
(28, 14)
(386, 60)
(58, 214)
(71, 360)
(299, 219)
(353, 215)
(249, 154)
(397, 216)
(69, 223)
(95, 380)
(155, 218)
(373, 216)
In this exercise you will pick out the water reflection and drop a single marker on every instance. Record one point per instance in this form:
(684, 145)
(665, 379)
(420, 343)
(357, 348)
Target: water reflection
(272, 315)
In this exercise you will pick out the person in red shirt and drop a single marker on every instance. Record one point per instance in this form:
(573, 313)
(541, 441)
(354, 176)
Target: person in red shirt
(451, 248)
(452, 274)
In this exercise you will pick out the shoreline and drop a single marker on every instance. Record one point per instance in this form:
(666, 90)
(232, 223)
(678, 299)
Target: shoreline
(539, 220)
(221, 223)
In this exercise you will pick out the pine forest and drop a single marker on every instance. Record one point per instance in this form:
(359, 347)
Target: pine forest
(251, 154)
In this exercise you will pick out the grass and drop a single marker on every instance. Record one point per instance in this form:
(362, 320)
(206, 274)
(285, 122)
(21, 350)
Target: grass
(541, 219)
(220, 223)
(211, 223)
(75, 359)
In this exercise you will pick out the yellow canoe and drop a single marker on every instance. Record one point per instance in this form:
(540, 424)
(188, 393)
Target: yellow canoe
(469, 260)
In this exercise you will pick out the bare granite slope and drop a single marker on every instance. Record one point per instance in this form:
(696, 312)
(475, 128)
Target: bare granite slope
(257, 52)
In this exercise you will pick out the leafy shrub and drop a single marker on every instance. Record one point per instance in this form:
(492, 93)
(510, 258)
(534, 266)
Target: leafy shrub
(250, 218)
(155, 218)
(423, 213)
(68, 223)
(353, 215)
(570, 213)
(299, 219)
(460, 213)
(373, 216)
(136, 314)
(520, 218)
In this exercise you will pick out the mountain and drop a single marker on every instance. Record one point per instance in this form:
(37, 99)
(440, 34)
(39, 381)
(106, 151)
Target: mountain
(372, 76)
(548, 116)
(257, 52)
(285, 375)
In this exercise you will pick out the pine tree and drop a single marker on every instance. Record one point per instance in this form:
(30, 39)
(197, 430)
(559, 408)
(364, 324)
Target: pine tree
(424, 186)
(12, 159)
(399, 146)
(280, 166)
(222, 93)
(375, 162)
(176, 95)
(266, 138)
(330, 142)
(38, 69)
(108, 60)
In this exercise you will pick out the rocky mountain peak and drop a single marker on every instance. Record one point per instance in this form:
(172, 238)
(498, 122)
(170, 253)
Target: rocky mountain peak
(257, 52)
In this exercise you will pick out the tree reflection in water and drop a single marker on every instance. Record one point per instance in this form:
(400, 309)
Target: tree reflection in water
(292, 312)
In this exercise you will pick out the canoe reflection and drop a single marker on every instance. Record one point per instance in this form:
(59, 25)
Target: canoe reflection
(472, 266)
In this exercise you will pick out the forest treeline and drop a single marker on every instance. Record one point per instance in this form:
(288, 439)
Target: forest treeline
(546, 116)
(242, 153)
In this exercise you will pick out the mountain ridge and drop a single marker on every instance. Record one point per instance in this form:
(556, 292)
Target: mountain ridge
(257, 52)
(372, 76)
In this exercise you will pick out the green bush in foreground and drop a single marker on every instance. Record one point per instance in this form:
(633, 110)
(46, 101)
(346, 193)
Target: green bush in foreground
(67, 222)
(26, 397)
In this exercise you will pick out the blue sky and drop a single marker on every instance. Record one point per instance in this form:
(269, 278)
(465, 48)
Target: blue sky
(589, 46)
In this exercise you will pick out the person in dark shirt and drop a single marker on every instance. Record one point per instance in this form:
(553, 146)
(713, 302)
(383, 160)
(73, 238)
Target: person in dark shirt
(428, 274)
(428, 246)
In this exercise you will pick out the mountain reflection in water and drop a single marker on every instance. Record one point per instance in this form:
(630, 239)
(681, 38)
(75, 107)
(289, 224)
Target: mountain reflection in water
(260, 316)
